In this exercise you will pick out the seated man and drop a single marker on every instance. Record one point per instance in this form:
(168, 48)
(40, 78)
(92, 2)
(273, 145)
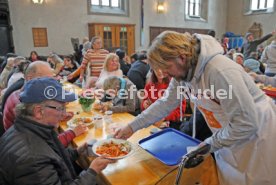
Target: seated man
(35, 70)
(30, 150)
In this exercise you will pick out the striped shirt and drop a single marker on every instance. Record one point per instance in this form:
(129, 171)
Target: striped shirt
(93, 62)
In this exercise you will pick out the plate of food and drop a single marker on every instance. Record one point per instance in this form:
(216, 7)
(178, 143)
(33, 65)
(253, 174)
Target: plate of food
(269, 90)
(98, 105)
(113, 148)
(78, 121)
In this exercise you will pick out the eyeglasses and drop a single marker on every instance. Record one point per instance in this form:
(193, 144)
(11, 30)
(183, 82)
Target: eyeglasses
(61, 109)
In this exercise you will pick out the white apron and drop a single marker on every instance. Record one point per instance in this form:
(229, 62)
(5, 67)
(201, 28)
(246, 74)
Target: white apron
(252, 162)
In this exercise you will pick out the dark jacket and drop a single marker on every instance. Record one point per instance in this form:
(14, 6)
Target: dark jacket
(249, 47)
(31, 154)
(138, 73)
(124, 66)
(9, 116)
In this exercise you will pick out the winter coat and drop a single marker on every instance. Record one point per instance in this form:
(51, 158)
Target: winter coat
(32, 154)
(9, 116)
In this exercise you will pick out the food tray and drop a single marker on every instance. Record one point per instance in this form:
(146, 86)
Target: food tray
(168, 145)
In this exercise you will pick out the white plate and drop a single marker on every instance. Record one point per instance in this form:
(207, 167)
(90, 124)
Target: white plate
(127, 144)
(73, 122)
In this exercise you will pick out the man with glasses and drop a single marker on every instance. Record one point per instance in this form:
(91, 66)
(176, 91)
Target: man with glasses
(30, 150)
(11, 99)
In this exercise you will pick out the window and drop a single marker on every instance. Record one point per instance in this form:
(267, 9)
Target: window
(196, 10)
(258, 6)
(113, 7)
(193, 8)
(40, 37)
(109, 3)
(261, 4)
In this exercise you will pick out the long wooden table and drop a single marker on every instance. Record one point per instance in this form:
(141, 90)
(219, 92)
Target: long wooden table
(140, 168)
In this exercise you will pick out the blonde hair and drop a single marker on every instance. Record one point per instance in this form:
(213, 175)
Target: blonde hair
(169, 45)
(108, 58)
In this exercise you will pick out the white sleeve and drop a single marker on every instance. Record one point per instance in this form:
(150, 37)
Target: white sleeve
(159, 109)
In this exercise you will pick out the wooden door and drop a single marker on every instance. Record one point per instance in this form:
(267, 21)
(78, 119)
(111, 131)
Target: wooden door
(109, 36)
(131, 40)
(125, 38)
(114, 36)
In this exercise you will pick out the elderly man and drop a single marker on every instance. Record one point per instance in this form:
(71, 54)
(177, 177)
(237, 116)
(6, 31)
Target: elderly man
(238, 113)
(30, 150)
(39, 69)
(35, 70)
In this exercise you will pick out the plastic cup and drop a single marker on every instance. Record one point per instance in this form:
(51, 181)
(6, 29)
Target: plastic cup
(98, 120)
(108, 116)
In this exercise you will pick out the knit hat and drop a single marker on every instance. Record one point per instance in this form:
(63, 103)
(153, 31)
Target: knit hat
(252, 64)
(247, 34)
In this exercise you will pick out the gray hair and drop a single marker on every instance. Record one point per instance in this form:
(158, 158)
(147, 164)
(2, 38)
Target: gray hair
(56, 59)
(27, 109)
(24, 110)
(18, 60)
(112, 82)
